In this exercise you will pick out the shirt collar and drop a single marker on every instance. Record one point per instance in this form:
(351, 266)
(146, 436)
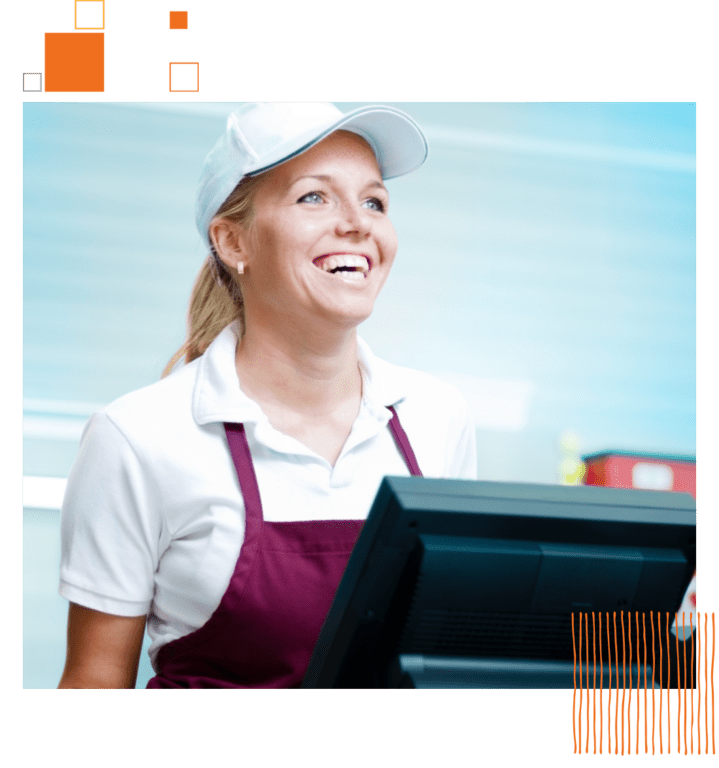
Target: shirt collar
(383, 383)
(217, 396)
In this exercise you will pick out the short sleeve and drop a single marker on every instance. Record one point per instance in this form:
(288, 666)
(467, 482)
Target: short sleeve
(110, 525)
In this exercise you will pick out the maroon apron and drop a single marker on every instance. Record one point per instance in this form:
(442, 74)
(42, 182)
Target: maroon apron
(266, 625)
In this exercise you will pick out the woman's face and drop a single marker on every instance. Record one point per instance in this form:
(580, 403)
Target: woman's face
(320, 244)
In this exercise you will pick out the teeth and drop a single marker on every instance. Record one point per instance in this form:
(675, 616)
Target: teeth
(352, 261)
(351, 277)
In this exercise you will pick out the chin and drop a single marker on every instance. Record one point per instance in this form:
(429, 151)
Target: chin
(349, 319)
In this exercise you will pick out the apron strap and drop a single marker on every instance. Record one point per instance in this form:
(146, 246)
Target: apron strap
(400, 437)
(242, 459)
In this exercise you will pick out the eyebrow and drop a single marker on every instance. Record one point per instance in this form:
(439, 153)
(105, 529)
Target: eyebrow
(328, 178)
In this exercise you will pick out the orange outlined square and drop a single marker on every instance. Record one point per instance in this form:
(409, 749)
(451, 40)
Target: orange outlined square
(74, 61)
(90, 1)
(186, 90)
(178, 19)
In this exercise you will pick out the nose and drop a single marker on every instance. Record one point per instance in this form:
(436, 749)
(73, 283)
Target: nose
(353, 219)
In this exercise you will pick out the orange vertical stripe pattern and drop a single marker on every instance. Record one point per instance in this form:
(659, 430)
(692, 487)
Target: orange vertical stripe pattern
(661, 660)
(609, 706)
(574, 697)
(712, 682)
(691, 686)
(601, 683)
(624, 674)
(639, 679)
(586, 651)
(669, 670)
(651, 621)
(706, 688)
(581, 686)
(699, 684)
(685, 682)
(646, 721)
(616, 683)
(594, 683)
(679, 687)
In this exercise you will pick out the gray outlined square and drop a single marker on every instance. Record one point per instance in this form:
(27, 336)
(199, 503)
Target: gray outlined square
(32, 90)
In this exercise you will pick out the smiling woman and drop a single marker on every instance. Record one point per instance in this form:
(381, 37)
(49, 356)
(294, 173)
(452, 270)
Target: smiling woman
(314, 218)
(220, 505)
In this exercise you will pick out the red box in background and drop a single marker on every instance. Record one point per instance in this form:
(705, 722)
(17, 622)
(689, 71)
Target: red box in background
(650, 471)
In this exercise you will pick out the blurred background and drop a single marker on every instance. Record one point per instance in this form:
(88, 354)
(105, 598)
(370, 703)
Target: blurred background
(546, 266)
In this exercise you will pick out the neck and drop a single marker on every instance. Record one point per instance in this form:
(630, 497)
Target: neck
(313, 376)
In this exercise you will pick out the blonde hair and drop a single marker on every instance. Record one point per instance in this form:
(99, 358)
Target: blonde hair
(216, 299)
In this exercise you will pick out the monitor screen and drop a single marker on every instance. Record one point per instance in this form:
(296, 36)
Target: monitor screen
(457, 583)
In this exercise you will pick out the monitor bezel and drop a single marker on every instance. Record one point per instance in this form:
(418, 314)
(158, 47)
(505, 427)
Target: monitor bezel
(406, 507)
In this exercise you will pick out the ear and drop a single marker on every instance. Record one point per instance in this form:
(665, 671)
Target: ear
(228, 240)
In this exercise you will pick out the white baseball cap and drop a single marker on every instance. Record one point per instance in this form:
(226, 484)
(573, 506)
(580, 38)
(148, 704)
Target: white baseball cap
(260, 136)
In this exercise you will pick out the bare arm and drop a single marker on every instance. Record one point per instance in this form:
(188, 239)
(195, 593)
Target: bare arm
(103, 650)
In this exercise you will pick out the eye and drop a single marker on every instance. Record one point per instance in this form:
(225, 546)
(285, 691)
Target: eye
(311, 197)
(376, 204)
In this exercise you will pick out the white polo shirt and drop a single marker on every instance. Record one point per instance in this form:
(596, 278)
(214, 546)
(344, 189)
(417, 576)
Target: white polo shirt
(153, 517)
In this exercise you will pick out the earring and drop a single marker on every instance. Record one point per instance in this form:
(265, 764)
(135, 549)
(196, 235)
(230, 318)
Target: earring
(240, 267)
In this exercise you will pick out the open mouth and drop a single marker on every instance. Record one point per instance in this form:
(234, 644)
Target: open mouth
(350, 267)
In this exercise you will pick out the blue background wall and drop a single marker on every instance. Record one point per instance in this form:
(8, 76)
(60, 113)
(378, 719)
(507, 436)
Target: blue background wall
(546, 266)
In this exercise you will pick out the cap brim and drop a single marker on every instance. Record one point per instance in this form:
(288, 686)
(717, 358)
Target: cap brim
(396, 140)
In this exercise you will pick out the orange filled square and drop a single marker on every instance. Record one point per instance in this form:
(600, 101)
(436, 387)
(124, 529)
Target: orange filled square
(74, 61)
(178, 19)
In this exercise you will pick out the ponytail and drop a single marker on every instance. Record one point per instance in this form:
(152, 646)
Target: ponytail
(213, 305)
(216, 299)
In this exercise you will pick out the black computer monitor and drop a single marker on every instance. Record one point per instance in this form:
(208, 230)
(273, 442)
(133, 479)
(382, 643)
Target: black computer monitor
(458, 583)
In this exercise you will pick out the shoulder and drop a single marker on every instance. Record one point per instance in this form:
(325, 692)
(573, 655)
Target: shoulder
(196, 392)
(146, 452)
(154, 408)
(152, 432)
